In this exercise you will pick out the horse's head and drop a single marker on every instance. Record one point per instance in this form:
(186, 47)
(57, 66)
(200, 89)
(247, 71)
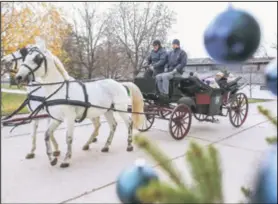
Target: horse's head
(11, 62)
(34, 62)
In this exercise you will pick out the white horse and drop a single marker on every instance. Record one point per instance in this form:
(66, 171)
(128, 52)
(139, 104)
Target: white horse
(16, 58)
(106, 93)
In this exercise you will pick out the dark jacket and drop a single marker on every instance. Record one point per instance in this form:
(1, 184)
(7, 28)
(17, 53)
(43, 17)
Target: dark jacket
(158, 59)
(177, 59)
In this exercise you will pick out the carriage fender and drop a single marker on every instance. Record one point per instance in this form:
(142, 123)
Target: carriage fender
(187, 101)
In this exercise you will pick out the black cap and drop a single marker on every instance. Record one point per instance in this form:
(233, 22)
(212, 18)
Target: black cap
(176, 42)
(156, 42)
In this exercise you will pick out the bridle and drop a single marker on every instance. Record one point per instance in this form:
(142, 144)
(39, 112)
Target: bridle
(38, 60)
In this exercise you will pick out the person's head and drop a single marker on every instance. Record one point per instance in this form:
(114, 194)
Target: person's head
(175, 44)
(156, 45)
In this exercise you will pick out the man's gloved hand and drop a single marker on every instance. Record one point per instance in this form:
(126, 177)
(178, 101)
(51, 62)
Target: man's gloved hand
(145, 64)
(174, 71)
(151, 67)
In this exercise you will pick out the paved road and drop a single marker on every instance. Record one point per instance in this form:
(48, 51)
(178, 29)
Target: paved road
(91, 177)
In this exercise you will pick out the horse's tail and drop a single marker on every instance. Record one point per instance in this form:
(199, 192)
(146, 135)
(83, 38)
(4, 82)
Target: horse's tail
(137, 104)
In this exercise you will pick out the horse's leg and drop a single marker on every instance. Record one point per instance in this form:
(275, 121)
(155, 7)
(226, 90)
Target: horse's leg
(70, 128)
(112, 124)
(31, 155)
(56, 152)
(129, 125)
(50, 130)
(93, 137)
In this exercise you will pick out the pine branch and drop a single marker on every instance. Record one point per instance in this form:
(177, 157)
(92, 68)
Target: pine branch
(266, 113)
(162, 192)
(246, 192)
(160, 157)
(271, 140)
(205, 169)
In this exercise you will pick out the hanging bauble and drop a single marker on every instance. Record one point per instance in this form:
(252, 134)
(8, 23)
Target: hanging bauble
(232, 37)
(266, 184)
(131, 179)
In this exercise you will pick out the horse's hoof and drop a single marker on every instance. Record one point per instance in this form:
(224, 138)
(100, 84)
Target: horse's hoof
(105, 149)
(64, 165)
(94, 140)
(129, 148)
(56, 153)
(54, 162)
(86, 147)
(30, 156)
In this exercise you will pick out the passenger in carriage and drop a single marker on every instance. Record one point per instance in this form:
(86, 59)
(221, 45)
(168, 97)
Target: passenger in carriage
(156, 60)
(177, 60)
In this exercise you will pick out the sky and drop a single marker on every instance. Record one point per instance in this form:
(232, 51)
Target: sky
(192, 19)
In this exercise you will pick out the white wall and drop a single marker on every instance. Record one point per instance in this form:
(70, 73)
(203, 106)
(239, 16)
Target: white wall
(257, 93)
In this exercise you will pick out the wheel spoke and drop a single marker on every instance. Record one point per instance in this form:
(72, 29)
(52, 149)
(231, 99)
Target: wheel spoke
(184, 128)
(175, 130)
(237, 119)
(178, 133)
(173, 125)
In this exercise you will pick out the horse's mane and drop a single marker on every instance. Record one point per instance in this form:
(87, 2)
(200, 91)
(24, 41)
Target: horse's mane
(61, 68)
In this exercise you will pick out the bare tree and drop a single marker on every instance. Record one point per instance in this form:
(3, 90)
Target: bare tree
(274, 44)
(111, 59)
(136, 25)
(88, 28)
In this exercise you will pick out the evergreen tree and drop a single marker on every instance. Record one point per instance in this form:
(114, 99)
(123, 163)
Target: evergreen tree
(204, 164)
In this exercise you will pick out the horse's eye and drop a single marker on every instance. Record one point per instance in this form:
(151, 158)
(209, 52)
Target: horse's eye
(38, 59)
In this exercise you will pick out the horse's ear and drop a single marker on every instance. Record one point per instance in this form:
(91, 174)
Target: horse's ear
(23, 51)
(41, 44)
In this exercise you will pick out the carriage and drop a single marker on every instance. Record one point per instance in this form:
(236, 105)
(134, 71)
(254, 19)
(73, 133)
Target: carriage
(191, 97)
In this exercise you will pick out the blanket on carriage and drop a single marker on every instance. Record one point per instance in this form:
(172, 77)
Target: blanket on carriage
(194, 84)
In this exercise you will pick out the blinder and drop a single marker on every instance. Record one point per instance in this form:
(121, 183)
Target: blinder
(39, 59)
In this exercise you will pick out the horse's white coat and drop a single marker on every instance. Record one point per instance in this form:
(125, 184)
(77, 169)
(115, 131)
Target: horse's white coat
(102, 93)
(34, 104)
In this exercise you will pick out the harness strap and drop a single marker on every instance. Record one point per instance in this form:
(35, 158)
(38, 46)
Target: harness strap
(127, 90)
(86, 101)
(45, 102)
(25, 102)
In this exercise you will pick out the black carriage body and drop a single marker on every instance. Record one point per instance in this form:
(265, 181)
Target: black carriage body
(146, 84)
(200, 97)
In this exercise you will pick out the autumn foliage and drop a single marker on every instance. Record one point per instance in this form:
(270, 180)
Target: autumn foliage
(21, 22)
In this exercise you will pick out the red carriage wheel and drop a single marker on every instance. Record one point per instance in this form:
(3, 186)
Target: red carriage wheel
(200, 117)
(149, 120)
(238, 109)
(180, 121)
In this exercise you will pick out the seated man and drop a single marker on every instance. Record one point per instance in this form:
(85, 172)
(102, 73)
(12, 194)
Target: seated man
(177, 60)
(157, 59)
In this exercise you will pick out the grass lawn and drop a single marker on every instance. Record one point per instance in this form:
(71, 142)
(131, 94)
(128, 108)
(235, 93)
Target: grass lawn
(7, 86)
(10, 102)
(253, 100)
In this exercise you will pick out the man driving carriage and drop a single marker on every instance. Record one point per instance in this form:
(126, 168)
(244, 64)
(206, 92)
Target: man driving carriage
(176, 62)
(156, 60)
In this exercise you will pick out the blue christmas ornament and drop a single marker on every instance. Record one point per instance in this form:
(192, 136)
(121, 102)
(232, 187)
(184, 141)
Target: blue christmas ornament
(271, 76)
(266, 185)
(131, 179)
(232, 37)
